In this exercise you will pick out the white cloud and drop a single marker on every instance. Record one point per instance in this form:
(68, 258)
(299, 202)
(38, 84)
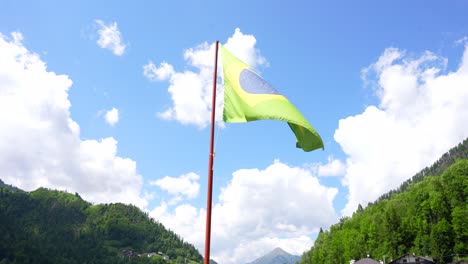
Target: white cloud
(257, 211)
(333, 167)
(243, 46)
(112, 116)
(257, 248)
(41, 144)
(186, 185)
(164, 72)
(110, 37)
(191, 91)
(423, 112)
(462, 41)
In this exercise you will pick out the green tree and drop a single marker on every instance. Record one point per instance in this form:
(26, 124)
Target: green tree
(442, 240)
(426, 215)
(460, 228)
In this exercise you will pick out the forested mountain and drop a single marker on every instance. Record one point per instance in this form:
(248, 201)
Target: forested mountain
(449, 158)
(47, 226)
(10, 187)
(427, 215)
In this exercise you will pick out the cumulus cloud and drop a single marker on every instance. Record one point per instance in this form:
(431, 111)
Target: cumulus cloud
(462, 41)
(110, 37)
(161, 73)
(41, 145)
(112, 116)
(334, 167)
(185, 185)
(422, 113)
(257, 211)
(191, 91)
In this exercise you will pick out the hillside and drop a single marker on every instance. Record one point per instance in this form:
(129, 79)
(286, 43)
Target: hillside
(46, 226)
(449, 158)
(277, 256)
(427, 215)
(11, 188)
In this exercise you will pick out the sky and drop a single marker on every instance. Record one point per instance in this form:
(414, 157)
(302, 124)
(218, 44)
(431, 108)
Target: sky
(113, 99)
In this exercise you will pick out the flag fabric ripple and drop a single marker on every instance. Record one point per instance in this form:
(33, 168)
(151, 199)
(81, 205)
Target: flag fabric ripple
(248, 97)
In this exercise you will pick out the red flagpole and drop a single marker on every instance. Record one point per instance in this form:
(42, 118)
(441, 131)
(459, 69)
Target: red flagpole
(210, 164)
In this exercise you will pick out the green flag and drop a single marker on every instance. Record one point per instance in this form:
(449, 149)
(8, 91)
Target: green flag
(248, 97)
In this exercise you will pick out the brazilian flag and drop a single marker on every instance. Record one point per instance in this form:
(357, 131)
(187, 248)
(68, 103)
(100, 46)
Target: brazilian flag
(248, 97)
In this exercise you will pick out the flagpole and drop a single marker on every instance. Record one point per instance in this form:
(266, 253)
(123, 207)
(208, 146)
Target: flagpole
(210, 163)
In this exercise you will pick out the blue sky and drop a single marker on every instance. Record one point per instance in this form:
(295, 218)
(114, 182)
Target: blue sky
(112, 100)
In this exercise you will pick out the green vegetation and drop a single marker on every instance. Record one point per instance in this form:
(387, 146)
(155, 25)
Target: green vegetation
(427, 215)
(46, 226)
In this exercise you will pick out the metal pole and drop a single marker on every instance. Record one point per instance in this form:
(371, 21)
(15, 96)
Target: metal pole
(210, 164)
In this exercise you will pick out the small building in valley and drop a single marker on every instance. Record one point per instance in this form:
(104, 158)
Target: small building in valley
(413, 259)
(366, 261)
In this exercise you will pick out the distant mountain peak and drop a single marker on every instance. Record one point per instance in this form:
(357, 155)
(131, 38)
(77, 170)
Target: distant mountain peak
(279, 250)
(276, 256)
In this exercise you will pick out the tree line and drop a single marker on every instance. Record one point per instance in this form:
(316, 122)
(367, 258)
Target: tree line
(49, 226)
(427, 215)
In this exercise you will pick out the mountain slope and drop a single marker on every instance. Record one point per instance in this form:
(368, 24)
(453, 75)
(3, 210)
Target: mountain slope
(426, 216)
(46, 226)
(11, 188)
(277, 256)
(446, 160)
